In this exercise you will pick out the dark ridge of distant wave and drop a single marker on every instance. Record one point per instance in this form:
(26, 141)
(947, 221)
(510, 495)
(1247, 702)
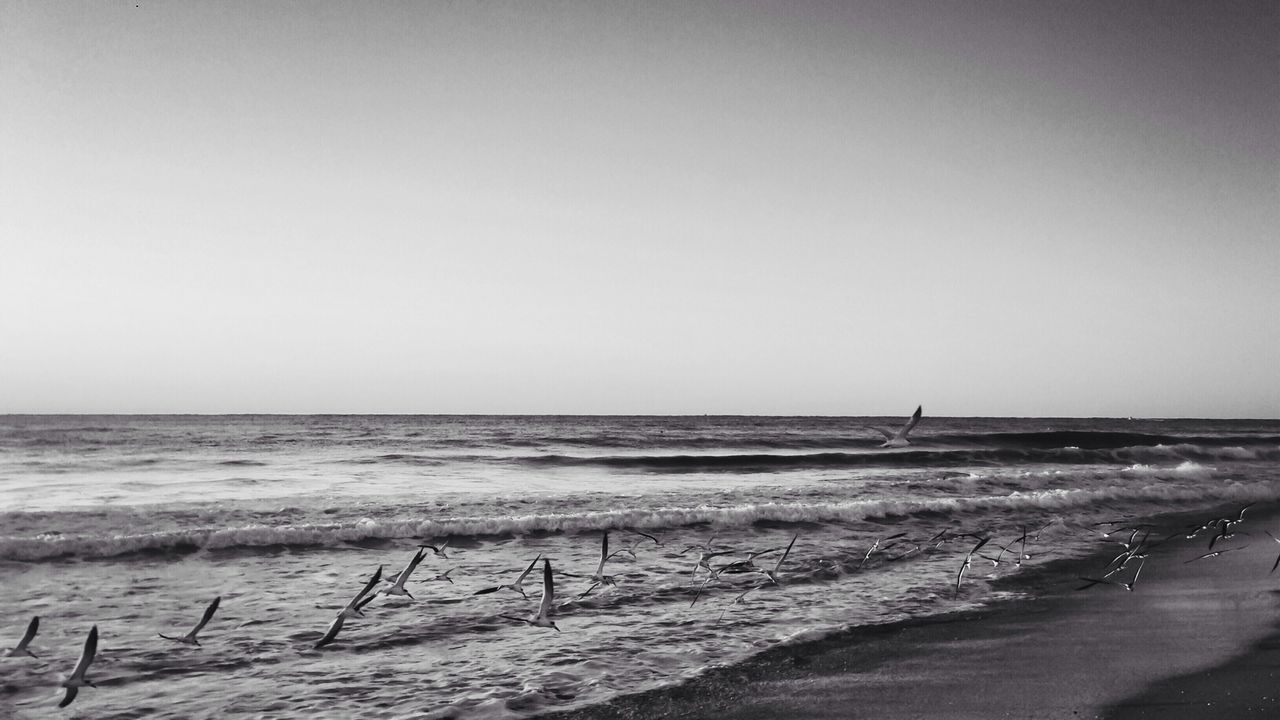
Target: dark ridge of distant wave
(1093, 440)
(255, 538)
(407, 459)
(766, 462)
(243, 463)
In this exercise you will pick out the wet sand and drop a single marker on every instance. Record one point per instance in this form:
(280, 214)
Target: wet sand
(1195, 638)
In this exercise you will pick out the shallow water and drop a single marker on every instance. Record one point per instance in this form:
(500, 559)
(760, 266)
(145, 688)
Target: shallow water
(136, 523)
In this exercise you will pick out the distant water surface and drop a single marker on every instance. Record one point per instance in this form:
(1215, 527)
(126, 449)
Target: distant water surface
(135, 522)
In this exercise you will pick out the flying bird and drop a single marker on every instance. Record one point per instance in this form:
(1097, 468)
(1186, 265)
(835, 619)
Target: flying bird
(899, 439)
(437, 549)
(21, 647)
(543, 618)
(397, 582)
(773, 574)
(190, 638)
(876, 546)
(517, 586)
(77, 679)
(968, 562)
(353, 608)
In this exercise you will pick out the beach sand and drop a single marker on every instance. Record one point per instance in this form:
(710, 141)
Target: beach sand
(1194, 639)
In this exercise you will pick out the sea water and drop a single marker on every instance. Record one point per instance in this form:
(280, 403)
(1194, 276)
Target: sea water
(135, 523)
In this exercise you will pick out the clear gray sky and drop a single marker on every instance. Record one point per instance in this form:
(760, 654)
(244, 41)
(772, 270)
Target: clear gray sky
(990, 208)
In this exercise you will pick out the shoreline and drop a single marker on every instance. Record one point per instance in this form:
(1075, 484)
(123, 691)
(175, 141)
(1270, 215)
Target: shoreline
(1192, 637)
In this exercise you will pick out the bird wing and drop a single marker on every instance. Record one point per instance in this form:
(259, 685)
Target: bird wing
(372, 582)
(32, 627)
(87, 654)
(978, 547)
(71, 695)
(334, 628)
(408, 569)
(1137, 573)
(355, 603)
(915, 420)
(548, 590)
(888, 435)
(604, 552)
(654, 539)
(786, 553)
(488, 590)
(208, 614)
(528, 570)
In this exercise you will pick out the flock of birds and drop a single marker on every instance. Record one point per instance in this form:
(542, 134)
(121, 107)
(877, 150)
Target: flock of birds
(1136, 548)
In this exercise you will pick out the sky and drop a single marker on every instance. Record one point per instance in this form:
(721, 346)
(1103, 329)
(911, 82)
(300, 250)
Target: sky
(837, 208)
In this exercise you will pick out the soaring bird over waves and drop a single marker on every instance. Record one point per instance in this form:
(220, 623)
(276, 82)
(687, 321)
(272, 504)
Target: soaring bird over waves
(190, 638)
(899, 439)
(397, 582)
(352, 609)
(77, 679)
(21, 647)
(543, 618)
(517, 586)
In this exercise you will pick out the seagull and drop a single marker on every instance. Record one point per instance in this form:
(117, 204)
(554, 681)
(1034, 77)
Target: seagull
(1126, 585)
(438, 550)
(876, 545)
(517, 586)
(968, 562)
(1228, 522)
(77, 679)
(706, 546)
(444, 576)
(598, 578)
(1215, 553)
(1022, 555)
(21, 647)
(352, 609)
(543, 618)
(1223, 535)
(773, 574)
(397, 583)
(738, 600)
(899, 439)
(190, 638)
(631, 549)
(704, 561)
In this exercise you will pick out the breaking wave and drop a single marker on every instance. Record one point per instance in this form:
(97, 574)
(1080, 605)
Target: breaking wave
(48, 547)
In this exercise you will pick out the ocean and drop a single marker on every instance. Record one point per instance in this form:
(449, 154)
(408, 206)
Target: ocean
(135, 523)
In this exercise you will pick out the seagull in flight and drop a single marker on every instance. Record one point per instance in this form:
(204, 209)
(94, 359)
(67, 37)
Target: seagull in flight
(876, 546)
(899, 439)
(598, 578)
(968, 562)
(77, 679)
(773, 574)
(517, 586)
(543, 618)
(397, 582)
(21, 647)
(437, 549)
(352, 609)
(190, 638)
(1090, 582)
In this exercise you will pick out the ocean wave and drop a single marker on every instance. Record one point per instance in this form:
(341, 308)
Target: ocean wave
(923, 457)
(49, 547)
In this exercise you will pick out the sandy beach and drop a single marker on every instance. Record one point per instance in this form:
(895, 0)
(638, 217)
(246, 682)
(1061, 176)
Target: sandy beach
(1195, 638)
